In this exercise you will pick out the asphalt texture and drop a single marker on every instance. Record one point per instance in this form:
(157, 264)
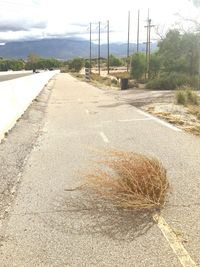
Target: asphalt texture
(48, 225)
(8, 77)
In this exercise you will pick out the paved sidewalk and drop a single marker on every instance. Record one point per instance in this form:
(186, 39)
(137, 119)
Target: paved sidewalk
(49, 226)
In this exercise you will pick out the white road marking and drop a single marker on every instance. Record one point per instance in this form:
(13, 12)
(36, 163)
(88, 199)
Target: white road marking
(104, 137)
(129, 120)
(174, 242)
(160, 121)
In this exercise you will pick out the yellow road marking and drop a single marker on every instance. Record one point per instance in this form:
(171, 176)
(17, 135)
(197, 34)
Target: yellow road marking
(175, 244)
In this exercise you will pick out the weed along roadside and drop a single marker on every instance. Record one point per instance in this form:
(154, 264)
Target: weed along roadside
(137, 184)
(183, 111)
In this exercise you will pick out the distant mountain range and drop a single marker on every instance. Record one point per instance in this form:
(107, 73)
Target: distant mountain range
(66, 48)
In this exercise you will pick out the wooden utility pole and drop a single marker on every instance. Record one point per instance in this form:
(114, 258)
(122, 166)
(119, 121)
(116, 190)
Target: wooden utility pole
(90, 47)
(108, 43)
(149, 49)
(128, 42)
(148, 45)
(99, 49)
(138, 31)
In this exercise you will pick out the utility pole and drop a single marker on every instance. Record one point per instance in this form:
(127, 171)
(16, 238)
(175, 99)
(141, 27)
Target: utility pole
(108, 41)
(199, 67)
(90, 47)
(99, 47)
(149, 49)
(128, 42)
(148, 45)
(138, 31)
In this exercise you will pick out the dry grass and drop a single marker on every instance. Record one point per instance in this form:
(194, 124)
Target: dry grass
(194, 110)
(188, 123)
(186, 95)
(119, 75)
(130, 180)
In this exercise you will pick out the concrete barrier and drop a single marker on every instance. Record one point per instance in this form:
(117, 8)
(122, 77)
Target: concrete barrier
(15, 72)
(16, 95)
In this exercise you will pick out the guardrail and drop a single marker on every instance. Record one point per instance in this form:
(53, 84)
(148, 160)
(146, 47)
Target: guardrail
(16, 95)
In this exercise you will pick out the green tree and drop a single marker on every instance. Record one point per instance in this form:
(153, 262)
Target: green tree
(11, 64)
(115, 61)
(154, 66)
(32, 62)
(179, 52)
(138, 66)
(76, 64)
(170, 50)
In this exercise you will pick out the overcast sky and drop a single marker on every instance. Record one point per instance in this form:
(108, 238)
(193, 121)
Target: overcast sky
(33, 19)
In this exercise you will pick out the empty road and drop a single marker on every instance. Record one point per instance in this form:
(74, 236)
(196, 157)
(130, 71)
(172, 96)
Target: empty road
(48, 225)
(8, 77)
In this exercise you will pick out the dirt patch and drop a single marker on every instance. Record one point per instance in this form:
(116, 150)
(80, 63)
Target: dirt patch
(186, 118)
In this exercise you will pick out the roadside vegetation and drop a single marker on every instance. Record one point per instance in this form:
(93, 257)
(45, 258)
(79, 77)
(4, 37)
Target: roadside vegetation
(32, 62)
(174, 64)
(184, 112)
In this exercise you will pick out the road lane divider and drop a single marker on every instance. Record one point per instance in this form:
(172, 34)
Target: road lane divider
(176, 245)
(166, 124)
(104, 137)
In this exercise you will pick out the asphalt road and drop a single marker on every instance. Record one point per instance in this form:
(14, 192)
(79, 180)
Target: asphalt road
(12, 76)
(49, 226)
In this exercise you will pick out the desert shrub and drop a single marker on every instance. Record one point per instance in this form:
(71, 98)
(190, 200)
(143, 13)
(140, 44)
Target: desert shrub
(64, 69)
(132, 84)
(192, 97)
(194, 110)
(186, 95)
(76, 64)
(107, 82)
(130, 180)
(181, 97)
(114, 81)
(138, 66)
(168, 82)
(115, 61)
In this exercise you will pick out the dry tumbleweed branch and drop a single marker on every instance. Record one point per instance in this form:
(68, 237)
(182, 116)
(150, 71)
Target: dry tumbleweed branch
(130, 180)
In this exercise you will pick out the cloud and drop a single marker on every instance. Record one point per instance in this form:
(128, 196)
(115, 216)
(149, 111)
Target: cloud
(84, 25)
(23, 25)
